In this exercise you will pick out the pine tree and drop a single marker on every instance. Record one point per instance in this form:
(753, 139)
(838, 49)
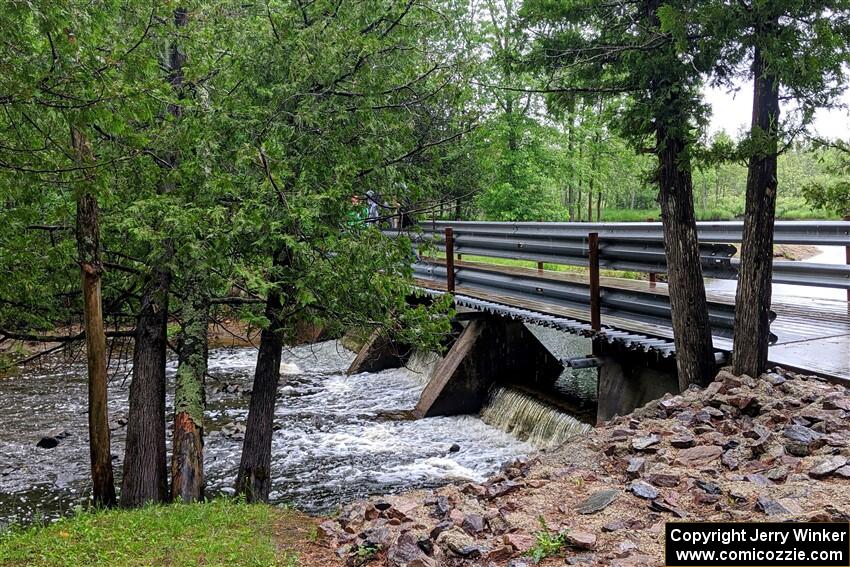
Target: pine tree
(616, 48)
(791, 51)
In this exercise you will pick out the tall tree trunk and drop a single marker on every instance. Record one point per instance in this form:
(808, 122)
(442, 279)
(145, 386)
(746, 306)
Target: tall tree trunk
(570, 145)
(598, 206)
(594, 160)
(187, 461)
(187, 447)
(579, 205)
(686, 288)
(694, 349)
(145, 477)
(88, 250)
(717, 188)
(580, 183)
(145, 460)
(753, 298)
(254, 477)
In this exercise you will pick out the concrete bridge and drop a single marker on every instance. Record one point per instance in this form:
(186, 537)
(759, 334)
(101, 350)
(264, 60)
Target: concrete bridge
(628, 320)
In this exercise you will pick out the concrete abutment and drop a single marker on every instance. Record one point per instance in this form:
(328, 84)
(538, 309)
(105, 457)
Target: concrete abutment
(488, 351)
(379, 353)
(630, 379)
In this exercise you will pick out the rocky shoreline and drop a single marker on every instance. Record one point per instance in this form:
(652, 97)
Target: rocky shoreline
(773, 448)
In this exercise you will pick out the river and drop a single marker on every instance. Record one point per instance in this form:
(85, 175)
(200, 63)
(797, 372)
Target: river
(329, 444)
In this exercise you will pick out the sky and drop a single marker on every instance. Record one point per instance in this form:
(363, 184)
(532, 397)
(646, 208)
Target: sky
(731, 112)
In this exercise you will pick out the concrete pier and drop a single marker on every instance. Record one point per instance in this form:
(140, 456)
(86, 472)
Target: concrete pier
(379, 353)
(488, 351)
(629, 379)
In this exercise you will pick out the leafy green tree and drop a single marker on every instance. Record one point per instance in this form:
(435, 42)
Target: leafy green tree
(515, 149)
(145, 477)
(831, 192)
(789, 49)
(232, 170)
(519, 181)
(834, 196)
(628, 48)
(293, 152)
(71, 75)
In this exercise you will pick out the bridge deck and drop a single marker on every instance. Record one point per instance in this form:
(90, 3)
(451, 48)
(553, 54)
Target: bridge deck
(813, 334)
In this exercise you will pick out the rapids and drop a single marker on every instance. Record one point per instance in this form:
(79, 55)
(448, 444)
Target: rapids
(330, 444)
(328, 447)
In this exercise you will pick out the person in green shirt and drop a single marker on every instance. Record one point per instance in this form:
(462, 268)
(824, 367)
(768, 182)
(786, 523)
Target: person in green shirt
(358, 212)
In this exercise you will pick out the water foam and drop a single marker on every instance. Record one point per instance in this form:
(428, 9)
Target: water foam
(422, 364)
(328, 446)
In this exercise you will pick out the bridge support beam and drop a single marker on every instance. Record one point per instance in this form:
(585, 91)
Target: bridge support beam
(629, 379)
(379, 353)
(486, 352)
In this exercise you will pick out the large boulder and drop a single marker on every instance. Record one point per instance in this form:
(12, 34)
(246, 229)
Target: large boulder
(52, 438)
(406, 552)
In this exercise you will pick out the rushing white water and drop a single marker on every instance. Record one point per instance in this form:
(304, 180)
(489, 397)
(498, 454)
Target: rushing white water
(531, 419)
(329, 446)
(422, 364)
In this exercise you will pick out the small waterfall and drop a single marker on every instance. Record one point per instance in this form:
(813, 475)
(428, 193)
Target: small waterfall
(422, 364)
(530, 419)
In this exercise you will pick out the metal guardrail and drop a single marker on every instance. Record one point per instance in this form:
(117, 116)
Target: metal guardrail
(635, 256)
(645, 307)
(620, 246)
(806, 273)
(639, 246)
(824, 233)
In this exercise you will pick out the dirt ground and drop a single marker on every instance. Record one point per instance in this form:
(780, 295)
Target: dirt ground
(769, 449)
(296, 536)
(794, 251)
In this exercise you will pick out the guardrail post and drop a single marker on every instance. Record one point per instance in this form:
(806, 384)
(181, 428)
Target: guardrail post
(539, 266)
(450, 260)
(651, 274)
(847, 258)
(593, 255)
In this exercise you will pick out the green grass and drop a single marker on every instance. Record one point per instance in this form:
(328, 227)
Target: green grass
(643, 215)
(221, 532)
(547, 543)
(548, 266)
(801, 212)
(790, 209)
(629, 215)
